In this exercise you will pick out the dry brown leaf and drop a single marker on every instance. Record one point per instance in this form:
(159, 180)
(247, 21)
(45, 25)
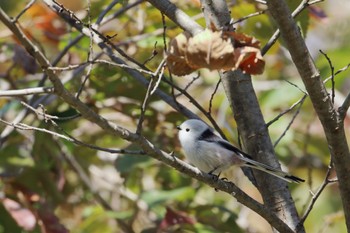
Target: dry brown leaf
(209, 50)
(176, 59)
(213, 49)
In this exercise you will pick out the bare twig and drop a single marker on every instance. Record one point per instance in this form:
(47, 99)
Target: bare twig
(29, 5)
(292, 120)
(154, 53)
(150, 91)
(91, 51)
(73, 163)
(22, 126)
(100, 61)
(345, 107)
(316, 195)
(118, 12)
(337, 72)
(332, 73)
(160, 72)
(304, 4)
(143, 106)
(105, 11)
(177, 16)
(212, 96)
(248, 16)
(340, 110)
(27, 91)
(300, 101)
(189, 84)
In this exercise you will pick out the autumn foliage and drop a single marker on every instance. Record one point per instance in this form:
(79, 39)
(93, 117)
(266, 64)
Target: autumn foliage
(215, 50)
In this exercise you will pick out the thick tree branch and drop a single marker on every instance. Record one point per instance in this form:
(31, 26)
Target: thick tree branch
(177, 16)
(328, 115)
(147, 146)
(251, 125)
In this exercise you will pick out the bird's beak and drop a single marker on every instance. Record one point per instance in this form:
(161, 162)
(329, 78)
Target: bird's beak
(178, 127)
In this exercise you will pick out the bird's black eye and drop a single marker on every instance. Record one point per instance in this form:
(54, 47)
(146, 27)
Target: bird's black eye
(187, 129)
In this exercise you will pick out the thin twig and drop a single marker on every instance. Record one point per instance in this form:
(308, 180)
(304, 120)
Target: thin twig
(332, 73)
(100, 61)
(300, 101)
(166, 50)
(159, 70)
(337, 72)
(22, 126)
(151, 89)
(144, 105)
(29, 5)
(296, 12)
(105, 12)
(27, 91)
(344, 107)
(212, 96)
(248, 16)
(118, 12)
(315, 196)
(91, 51)
(154, 54)
(189, 84)
(291, 122)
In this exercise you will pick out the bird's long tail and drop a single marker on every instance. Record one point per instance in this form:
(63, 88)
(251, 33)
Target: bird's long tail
(270, 170)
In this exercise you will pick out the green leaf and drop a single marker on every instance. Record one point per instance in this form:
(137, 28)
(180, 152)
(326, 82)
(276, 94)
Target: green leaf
(156, 197)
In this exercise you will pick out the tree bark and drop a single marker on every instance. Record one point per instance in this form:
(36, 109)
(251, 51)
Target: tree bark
(330, 118)
(251, 125)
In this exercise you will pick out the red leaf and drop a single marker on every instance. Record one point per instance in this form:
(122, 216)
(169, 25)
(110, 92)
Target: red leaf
(174, 217)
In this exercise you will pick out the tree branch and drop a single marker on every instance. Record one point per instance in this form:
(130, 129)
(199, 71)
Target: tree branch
(27, 91)
(302, 6)
(329, 117)
(177, 16)
(345, 107)
(317, 194)
(251, 125)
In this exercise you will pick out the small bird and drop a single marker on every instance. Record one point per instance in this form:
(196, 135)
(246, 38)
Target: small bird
(212, 154)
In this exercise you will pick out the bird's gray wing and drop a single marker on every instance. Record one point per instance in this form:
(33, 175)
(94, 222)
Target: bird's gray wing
(209, 136)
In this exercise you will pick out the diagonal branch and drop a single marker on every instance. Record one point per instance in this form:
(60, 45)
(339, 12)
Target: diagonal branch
(345, 107)
(330, 119)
